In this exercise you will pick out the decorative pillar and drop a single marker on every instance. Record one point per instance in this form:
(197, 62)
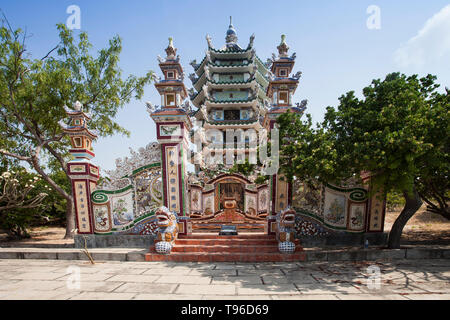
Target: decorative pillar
(280, 91)
(173, 127)
(82, 173)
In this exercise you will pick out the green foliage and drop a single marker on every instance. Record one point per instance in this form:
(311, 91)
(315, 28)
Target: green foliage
(394, 200)
(33, 93)
(246, 169)
(394, 132)
(305, 152)
(398, 132)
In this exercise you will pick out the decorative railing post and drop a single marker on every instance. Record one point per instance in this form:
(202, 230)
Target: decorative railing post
(82, 173)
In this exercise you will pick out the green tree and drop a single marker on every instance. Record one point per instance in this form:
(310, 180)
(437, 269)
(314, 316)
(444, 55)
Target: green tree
(33, 93)
(396, 132)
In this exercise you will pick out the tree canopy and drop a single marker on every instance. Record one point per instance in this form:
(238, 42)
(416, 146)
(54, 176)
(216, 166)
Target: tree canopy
(398, 132)
(34, 91)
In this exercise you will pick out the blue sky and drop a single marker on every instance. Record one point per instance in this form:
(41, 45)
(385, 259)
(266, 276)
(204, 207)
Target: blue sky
(335, 50)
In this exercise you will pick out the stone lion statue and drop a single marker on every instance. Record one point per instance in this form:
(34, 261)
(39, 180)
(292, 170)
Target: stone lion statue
(286, 230)
(167, 233)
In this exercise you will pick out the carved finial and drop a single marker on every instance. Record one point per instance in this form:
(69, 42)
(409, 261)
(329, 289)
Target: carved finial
(171, 51)
(283, 47)
(77, 106)
(252, 38)
(231, 37)
(208, 39)
(297, 75)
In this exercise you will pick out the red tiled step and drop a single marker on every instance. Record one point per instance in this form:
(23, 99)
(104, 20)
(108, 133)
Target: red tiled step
(226, 257)
(216, 236)
(225, 248)
(218, 242)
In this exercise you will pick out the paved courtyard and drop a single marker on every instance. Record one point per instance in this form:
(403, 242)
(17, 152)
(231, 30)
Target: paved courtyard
(58, 279)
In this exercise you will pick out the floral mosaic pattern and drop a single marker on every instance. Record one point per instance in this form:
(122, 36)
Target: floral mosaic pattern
(122, 209)
(306, 227)
(335, 209)
(102, 219)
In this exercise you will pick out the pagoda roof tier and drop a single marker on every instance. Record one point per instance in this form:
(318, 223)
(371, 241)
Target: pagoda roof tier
(290, 83)
(171, 64)
(169, 111)
(273, 113)
(198, 69)
(279, 110)
(233, 124)
(202, 80)
(199, 97)
(77, 113)
(77, 131)
(232, 68)
(283, 62)
(229, 104)
(234, 51)
(162, 86)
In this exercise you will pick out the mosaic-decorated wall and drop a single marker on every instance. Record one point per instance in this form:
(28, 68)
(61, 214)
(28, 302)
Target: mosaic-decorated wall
(127, 203)
(322, 210)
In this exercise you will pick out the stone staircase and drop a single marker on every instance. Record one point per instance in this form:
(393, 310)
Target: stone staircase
(204, 247)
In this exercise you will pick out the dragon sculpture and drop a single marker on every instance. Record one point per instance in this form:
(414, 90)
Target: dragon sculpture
(286, 230)
(167, 232)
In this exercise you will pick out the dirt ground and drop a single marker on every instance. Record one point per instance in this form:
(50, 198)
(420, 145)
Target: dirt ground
(423, 228)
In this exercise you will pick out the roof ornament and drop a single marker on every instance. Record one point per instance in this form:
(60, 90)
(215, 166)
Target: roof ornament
(192, 77)
(171, 51)
(150, 107)
(274, 57)
(209, 40)
(283, 47)
(252, 38)
(297, 75)
(77, 106)
(302, 104)
(231, 38)
(191, 93)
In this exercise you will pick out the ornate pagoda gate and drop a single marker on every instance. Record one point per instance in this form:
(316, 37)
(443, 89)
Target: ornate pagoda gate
(235, 90)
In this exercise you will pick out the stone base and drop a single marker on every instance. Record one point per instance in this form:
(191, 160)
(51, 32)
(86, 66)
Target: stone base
(113, 241)
(345, 239)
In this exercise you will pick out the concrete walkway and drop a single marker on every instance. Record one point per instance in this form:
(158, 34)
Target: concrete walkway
(58, 279)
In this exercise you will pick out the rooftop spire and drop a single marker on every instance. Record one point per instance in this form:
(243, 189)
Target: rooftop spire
(231, 38)
(171, 51)
(283, 47)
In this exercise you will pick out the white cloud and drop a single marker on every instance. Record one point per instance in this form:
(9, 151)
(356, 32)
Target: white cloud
(431, 43)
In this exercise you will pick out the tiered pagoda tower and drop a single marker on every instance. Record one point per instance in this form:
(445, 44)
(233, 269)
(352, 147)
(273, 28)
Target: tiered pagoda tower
(237, 99)
(82, 173)
(230, 89)
(280, 91)
(173, 126)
